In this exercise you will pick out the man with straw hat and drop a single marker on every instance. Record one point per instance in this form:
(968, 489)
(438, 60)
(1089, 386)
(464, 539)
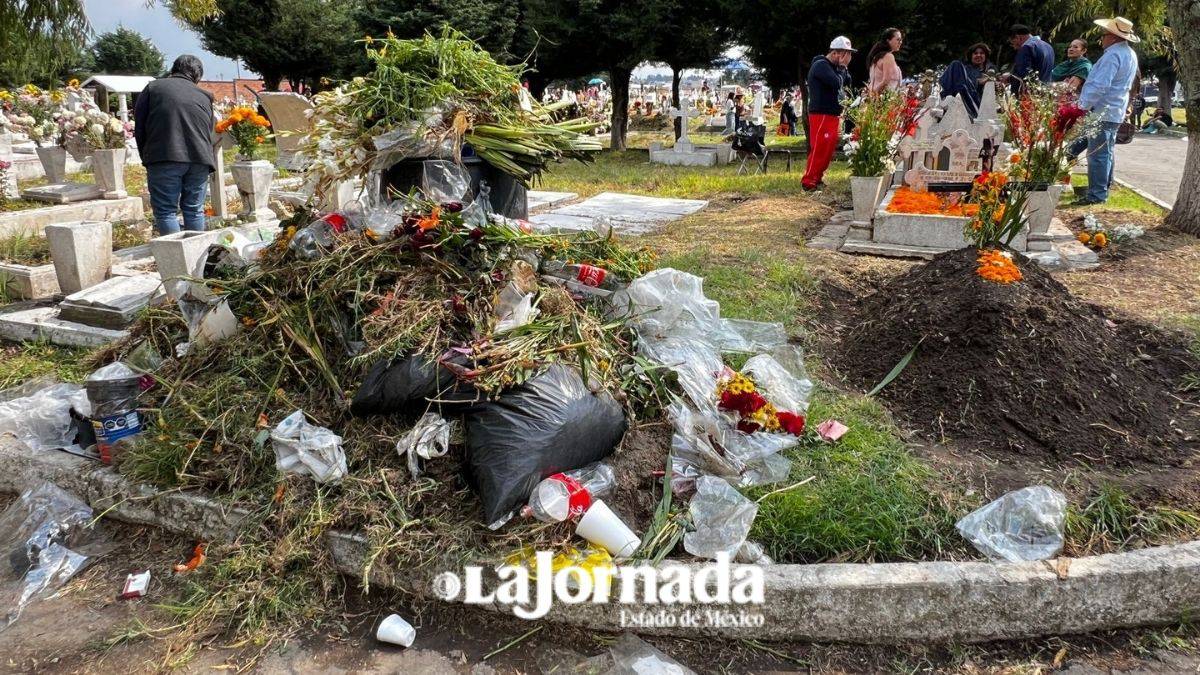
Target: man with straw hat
(1106, 93)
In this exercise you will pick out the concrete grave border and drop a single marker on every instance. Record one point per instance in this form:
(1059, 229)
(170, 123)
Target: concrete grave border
(864, 603)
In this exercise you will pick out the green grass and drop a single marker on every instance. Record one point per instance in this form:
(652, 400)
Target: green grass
(1120, 198)
(1111, 520)
(871, 499)
(754, 286)
(632, 172)
(19, 364)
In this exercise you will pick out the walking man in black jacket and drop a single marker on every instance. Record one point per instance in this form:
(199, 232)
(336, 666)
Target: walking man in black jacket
(827, 80)
(174, 131)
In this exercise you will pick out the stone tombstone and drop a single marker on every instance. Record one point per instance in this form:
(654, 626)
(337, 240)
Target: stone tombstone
(290, 116)
(8, 181)
(947, 150)
(684, 144)
(216, 183)
(81, 252)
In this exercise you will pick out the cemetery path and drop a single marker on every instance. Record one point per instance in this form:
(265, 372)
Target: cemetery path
(1153, 164)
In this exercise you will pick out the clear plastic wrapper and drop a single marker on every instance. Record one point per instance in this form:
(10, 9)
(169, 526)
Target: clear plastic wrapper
(208, 321)
(308, 450)
(41, 418)
(667, 302)
(428, 439)
(1026, 524)
(694, 362)
(740, 335)
(45, 542)
(634, 656)
(513, 309)
(752, 553)
(479, 212)
(445, 182)
(380, 223)
(778, 385)
(721, 516)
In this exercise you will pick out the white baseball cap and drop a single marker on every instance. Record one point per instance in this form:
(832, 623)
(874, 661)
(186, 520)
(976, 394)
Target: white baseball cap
(841, 42)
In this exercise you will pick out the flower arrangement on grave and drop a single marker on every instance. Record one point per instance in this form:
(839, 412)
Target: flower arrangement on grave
(1098, 236)
(5, 167)
(738, 394)
(999, 216)
(873, 142)
(35, 112)
(907, 200)
(248, 129)
(95, 129)
(433, 96)
(997, 266)
(1041, 125)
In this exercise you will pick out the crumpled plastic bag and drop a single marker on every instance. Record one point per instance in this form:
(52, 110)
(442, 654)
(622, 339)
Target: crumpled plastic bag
(722, 517)
(41, 419)
(428, 439)
(1023, 525)
(514, 309)
(753, 553)
(634, 656)
(308, 450)
(208, 321)
(41, 534)
(778, 384)
(667, 302)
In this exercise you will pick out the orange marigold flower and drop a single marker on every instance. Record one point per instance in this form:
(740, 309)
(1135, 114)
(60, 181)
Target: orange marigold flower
(259, 139)
(1084, 237)
(1100, 240)
(431, 221)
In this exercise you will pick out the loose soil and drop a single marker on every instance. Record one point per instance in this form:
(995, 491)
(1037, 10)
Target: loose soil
(1025, 367)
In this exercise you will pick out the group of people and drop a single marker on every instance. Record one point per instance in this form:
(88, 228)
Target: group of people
(1104, 88)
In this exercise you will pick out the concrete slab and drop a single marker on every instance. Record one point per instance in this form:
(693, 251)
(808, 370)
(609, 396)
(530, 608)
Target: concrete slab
(113, 304)
(539, 200)
(34, 221)
(630, 214)
(28, 283)
(63, 193)
(46, 324)
(677, 158)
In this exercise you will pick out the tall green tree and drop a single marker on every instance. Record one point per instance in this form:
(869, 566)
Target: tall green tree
(585, 36)
(1184, 19)
(126, 52)
(491, 23)
(39, 38)
(693, 34)
(300, 40)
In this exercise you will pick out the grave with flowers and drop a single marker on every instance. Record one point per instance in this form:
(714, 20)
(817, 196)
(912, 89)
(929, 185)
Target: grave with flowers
(946, 159)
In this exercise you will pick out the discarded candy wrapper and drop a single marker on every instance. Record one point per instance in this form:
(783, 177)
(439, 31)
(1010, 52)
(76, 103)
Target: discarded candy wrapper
(722, 517)
(429, 438)
(1026, 524)
(308, 450)
(135, 585)
(831, 430)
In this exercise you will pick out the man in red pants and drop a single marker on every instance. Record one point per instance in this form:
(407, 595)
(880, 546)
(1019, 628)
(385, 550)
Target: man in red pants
(827, 80)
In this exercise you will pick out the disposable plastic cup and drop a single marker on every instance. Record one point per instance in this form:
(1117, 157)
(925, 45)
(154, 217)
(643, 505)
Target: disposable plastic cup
(397, 631)
(604, 528)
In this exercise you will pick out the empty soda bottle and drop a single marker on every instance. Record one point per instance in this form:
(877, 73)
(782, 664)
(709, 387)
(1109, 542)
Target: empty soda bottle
(588, 275)
(569, 494)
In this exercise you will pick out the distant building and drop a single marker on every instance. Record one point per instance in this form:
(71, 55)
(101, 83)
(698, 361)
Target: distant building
(238, 90)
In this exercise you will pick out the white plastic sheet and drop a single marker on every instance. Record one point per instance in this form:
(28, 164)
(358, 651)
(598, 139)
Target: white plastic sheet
(634, 656)
(308, 450)
(42, 418)
(428, 439)
(1026, 524)
(721, 516)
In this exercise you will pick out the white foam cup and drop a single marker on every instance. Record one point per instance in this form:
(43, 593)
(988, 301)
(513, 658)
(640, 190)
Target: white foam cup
(396, 630)
(604, 528)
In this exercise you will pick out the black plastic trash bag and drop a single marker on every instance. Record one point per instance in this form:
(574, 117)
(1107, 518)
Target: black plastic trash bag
(407, 385)
(549, 424)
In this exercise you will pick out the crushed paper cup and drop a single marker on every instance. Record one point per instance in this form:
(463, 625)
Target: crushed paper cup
(831, 430)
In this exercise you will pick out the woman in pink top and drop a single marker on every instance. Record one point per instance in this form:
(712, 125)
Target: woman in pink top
(885, 72)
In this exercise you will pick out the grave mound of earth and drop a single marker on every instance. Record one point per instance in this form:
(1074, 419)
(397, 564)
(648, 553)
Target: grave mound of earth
(1023, 367)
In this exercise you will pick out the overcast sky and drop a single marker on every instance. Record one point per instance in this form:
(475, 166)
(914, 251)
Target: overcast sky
(156, 23)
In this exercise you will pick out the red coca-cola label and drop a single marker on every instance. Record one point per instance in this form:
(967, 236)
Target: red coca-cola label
(578, 498)
(590, 275)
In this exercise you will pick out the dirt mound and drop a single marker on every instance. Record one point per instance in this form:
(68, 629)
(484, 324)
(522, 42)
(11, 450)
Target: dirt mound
(1024, 367)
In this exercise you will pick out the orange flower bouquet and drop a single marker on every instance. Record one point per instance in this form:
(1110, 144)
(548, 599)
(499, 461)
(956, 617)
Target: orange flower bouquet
(997, 266)
(248, 128)
(1000, 215)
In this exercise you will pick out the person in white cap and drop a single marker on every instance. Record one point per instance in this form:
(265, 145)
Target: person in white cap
(828, 78)
(1106, 93)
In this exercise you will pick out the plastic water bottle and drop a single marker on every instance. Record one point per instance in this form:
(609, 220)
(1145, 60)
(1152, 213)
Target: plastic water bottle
(113, 392)
(568, 495)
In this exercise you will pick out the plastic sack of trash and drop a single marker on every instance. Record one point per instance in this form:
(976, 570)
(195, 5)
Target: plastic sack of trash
(428, 439)
(308, 450)
(408, 385)
(721, 516)
(40, 415)
(549, 424)
(43, 541)
(1026, 524)
(634, 656)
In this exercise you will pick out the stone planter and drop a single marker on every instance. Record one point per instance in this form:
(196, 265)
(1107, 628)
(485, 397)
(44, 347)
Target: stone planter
(54, 163)
(866, 191)
(81, 252)
(1039, 208)
(253, 179)
(109, 167)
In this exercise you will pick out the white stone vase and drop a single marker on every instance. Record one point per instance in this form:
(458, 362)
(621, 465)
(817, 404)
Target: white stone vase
(866, 192)
(54, 163)
(1039, 208)
(109, 168)
(253, 179)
